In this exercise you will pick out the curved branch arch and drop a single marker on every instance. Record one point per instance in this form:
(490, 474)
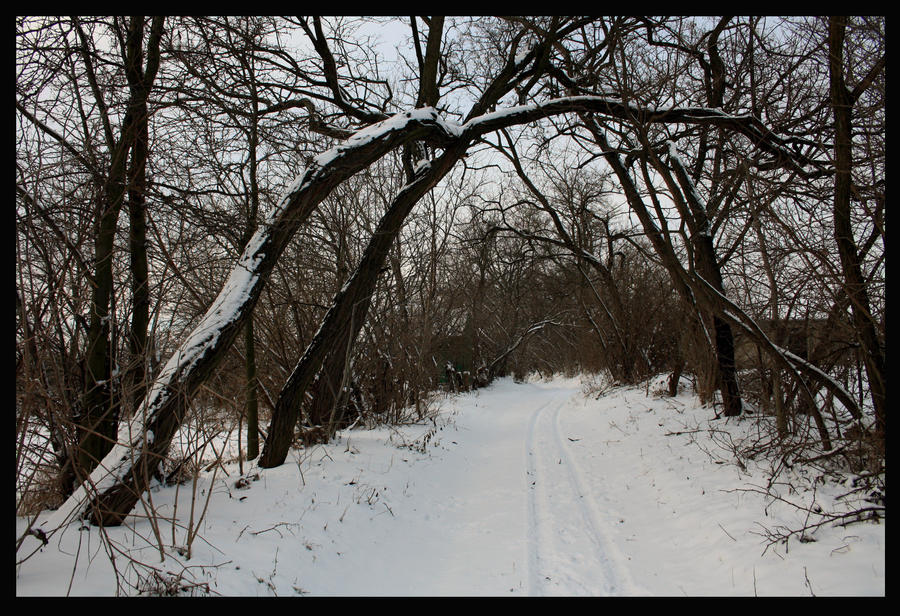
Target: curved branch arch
(113, 488)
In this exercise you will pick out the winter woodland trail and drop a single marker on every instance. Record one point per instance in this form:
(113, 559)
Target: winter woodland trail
(565, 557)
(531, 489)
(514, 513)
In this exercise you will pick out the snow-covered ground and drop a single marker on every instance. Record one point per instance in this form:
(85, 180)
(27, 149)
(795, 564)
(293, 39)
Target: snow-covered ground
(517, 489)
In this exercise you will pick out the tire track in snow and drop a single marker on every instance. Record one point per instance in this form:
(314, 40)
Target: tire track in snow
(534, 562)
(616, 569)
(564, 558)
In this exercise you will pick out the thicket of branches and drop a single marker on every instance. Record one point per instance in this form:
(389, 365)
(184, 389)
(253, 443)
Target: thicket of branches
(702, 197)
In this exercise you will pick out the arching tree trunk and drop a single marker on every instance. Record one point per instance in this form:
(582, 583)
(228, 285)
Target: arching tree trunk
(141, 444)
(348, 311)
(113, 487)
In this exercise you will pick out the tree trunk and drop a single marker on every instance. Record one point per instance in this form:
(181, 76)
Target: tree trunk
(252, 405)
(135, 382)
(774, 378)
(842, 102)
(345, 318)
(327, 390)
(252, 409)
(708, 268)
(114, 487)
(97, 423)
(97, 420)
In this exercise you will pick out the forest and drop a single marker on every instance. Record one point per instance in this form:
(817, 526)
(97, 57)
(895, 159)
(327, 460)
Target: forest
(281, 228)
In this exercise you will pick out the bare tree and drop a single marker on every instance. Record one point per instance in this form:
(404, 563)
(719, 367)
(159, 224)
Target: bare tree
(843, 100)
(116, 163)
(683, 114)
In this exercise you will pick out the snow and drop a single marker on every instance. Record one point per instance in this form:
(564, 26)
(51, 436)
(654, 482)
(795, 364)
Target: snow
(132, 433)
(234, 295)
(704, 230)
(541, 488)
(399, 121)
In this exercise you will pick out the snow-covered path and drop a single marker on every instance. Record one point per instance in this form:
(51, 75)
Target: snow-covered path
(498, 516)
(569, 549)
(517, 489)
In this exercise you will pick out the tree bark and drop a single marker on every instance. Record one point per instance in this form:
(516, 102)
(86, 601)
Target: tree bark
(99, 417)
(137, 207)
(842, 101)
(707, 267)
(774, 378)
(252, 408)
(705, 261)
(113, 488)
(347, 314)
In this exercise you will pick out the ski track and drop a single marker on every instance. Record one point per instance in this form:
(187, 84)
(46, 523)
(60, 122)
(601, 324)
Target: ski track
(563, 559)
